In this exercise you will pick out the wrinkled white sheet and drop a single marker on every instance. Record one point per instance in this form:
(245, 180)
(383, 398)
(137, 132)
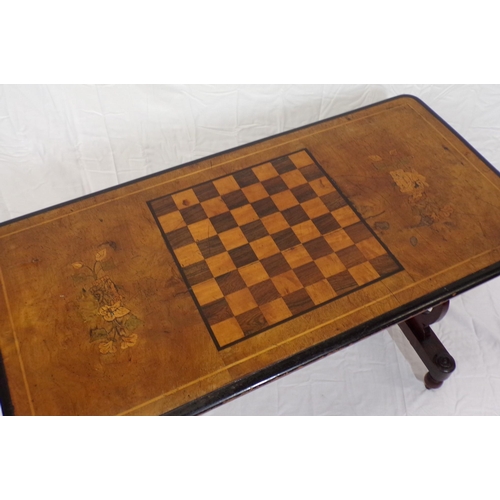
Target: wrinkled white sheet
(58, 142)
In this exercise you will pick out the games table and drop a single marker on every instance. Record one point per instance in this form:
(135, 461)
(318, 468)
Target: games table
(178, 291)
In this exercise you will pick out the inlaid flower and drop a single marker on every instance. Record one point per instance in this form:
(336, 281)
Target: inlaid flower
(110, 313)
(129, 341)
(107, 347)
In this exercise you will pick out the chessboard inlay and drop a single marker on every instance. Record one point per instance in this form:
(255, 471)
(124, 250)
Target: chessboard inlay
(268, 243)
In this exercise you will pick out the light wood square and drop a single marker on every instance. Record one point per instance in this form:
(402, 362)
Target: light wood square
(227, 331)
(287, 283)
(264, 247)
(202, 230)
(345, 216)
(322, 186)
(338, 240)
(284, 200)
(301, 159)
(314, 208)
(215, 206)
(185, 199)
(241, 301)
(233, 238)
(171, 222)
(293, 178)
(330, 265)
(321, 292)
(226, 185)
(275, 223)
(189, 254)
(265, 171)
(297, 256)
(371, 248)
(255, 192)
(253, 273)
(363, 273)
(306, 231)
(275, 311)
(244, 215)
(207, 292)
(220, 264)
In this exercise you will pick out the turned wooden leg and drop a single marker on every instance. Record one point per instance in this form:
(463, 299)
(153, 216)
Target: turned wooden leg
(436, 358)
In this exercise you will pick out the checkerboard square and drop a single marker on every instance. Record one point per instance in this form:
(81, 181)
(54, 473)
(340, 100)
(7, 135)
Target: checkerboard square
(234, 199)
(202, 230)
(223, 222)
(304, 193)
(211, 246)
(275, 265)
(342, 282)
(308, 273)
(351, 256)
(275, 223)
(345, 216)
(227, 331)
(264, 247)
(264, 292)
(180, 238)
(330, 265)
(295, 215)
(198, 272)
(275, 311)
(245, 178)
(255, 192)
(241, 301)
(233, 238)
(321, 292)
(264, 207)
(338, 240)
(333, 201)
(217, 311)
(254, 273)
(311, 172)
(243, 255)
(230, 282)
(205, 191)
(318, 248)
(185, 199)
(274, 185)
(358, 232)
(384, 265)
(297, 256)
(287, 283)
(188, 255)
(300, 159)
(370, 248)
(245, 214)
(207, 292)
(226, 185)
(293, 179)
(283, 165)
(193, 214)
(171, 221)
(363, 273)
(163, 206)
(322, 186)
(265, 171)
(252, 321)
(214, 206)
(314, 208)
(285, 239)
(306, 231)
(326, 223)
(299, 301)
(254, 230)
(220, 264)
(284, 200)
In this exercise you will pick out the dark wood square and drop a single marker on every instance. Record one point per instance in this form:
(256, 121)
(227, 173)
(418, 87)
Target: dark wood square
(276, 264)
(283, 164)
(223, 222)
(318, 248)
(308, 273)
(193, 214)
(358, 232)
(197, 273)
(311, 172)
(252, 321)
(243, 255)
(295, 215)
(298, 301)
(211, 246)
(333, 201)
(230, 282)
(275, 185)
(285, 239)
(245, 178)
(326, 223)
(217, 311)
(254, 230)
(342, 282)
(265, 207)
(163, 206)
(205, 191)
(235, 199)
(180, 237)
(384, 264)
(351, 256)
(303, 193)
(264, 292)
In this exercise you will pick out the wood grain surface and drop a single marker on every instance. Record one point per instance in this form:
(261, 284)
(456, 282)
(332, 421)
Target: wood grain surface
(145, 297)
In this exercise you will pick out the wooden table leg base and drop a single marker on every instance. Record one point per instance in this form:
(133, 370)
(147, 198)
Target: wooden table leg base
(431, 351)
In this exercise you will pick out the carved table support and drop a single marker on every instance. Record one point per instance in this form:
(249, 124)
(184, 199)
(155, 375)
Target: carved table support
(430, 350)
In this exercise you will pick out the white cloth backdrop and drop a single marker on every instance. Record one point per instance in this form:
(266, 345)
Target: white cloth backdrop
(58, 142)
